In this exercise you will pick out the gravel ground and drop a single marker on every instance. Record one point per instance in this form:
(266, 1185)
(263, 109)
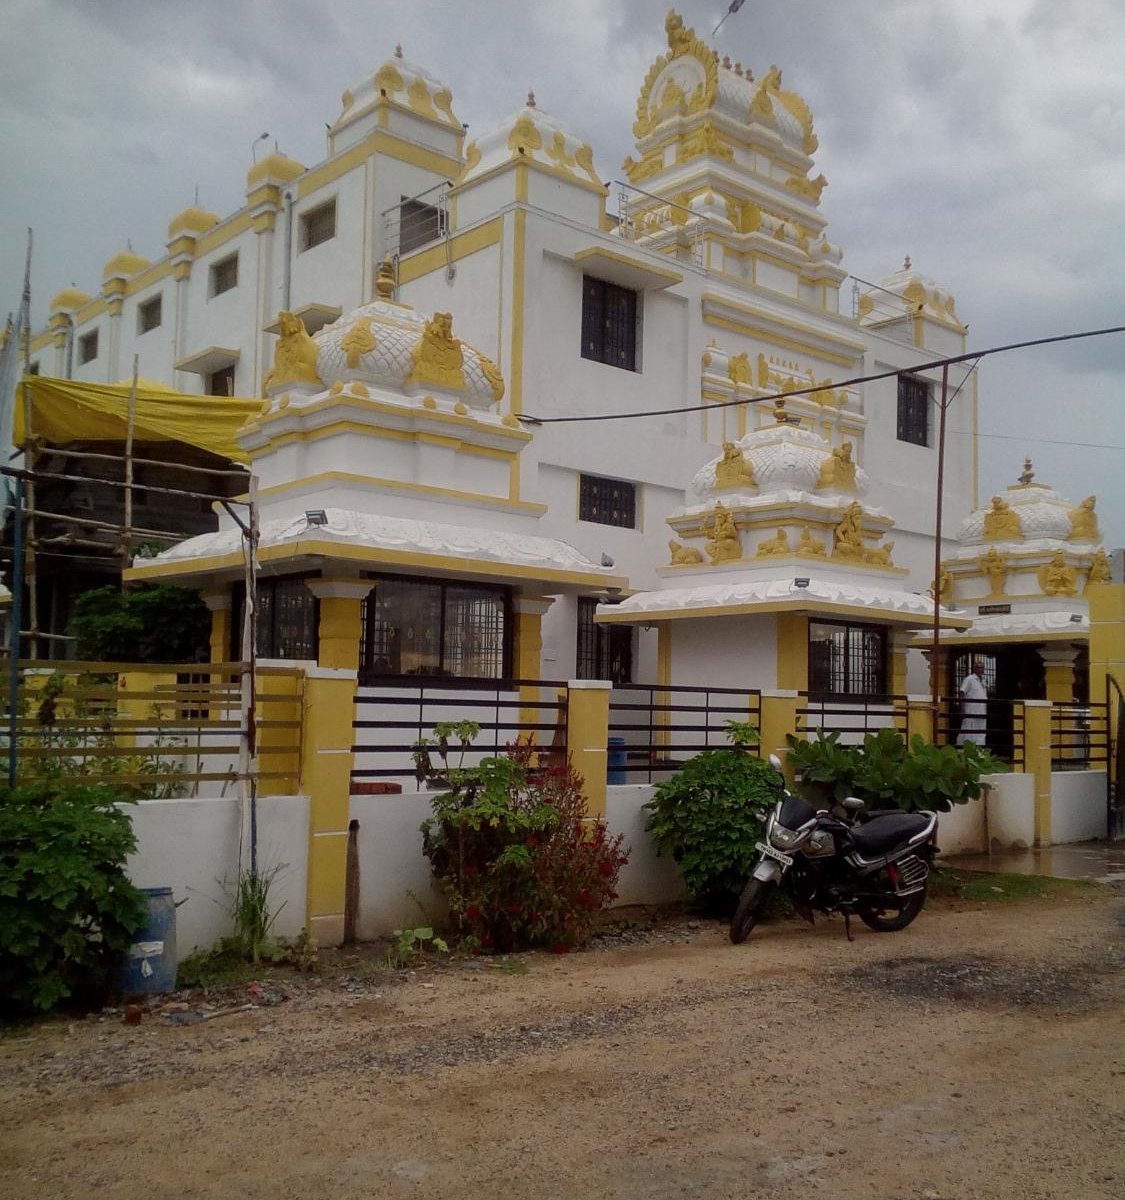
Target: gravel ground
(978, 1054)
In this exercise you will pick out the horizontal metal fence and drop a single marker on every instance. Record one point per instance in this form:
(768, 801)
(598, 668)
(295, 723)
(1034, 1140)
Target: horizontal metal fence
(392, 718)
(1079, 736)
(154, 730)
(852, 717)
(653, 730)
(1003, 727)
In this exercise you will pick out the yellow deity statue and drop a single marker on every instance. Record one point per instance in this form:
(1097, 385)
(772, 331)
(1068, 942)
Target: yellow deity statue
(724, 543)
(1099, 568)
(739, 369)
(879, 556)
(732, 470)
(1056, 578)
(809, 544)
(778, 544)
(294, 356)
(994, 566)
(683, 556)
(437, 357)
(1001, 521)
(944, 587)
(849, 533)
(1084, 522)
(838, 470)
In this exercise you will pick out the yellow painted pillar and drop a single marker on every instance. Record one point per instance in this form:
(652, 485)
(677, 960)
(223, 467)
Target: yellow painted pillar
(587, 737)
(919, 719)
(663, 681)
(326, 751)
(1037, 763)
(1107, 654)
(222, 617)
(793, 651)
(779, 717)
(900, 644)
(529, 612)
(1058, 670)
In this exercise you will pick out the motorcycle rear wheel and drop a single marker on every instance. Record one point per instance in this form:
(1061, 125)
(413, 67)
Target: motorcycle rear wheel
(896, 914)
(751, 905)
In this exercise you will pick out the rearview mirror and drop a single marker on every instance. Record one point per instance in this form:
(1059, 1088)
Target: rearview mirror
(775, 762)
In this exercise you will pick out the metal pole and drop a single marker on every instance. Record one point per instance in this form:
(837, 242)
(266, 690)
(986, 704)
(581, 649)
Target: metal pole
(248, 683)
(127, 533)
(935, 646)
(17, 623)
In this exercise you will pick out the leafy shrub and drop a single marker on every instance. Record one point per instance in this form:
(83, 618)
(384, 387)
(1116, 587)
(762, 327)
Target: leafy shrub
(150, 625)
(67, 909)
(706, 818)
(518, 859)
(886, 773)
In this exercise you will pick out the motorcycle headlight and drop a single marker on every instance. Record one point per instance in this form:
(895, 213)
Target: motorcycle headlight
(782, 837)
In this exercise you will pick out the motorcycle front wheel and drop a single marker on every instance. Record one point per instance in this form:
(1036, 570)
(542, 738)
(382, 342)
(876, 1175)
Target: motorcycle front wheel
(896, 913)
(751, 905)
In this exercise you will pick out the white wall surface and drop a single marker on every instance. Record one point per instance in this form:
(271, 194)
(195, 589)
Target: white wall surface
(191, 846)
(646, 878)
(1078, 808)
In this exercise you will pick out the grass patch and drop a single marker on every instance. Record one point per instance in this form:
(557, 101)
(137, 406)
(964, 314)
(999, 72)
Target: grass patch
(1005, 887)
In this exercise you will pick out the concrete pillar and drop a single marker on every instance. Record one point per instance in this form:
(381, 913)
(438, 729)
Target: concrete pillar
(779, 717)
(1037, 763)
(587, 737)
(920, 719)
(529, 612)
(900, 643)
(664, 682)
(221, 618)
(793, 651)
(1058, 664)
(1107, 655)
(326, 752)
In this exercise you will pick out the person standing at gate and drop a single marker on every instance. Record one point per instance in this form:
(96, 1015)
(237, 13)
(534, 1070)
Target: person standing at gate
(974, 706)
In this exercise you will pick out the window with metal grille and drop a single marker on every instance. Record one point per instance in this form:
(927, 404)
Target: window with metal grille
(318, 225)
(913, 410)
(288, 619)
(963, 664)
(224, 275)
(849, 660)
(604, 651)
(609, 323)
(148, 314)
(418, 224)
(221, 382)
(88, 347)
(607, 501)
(417, 627)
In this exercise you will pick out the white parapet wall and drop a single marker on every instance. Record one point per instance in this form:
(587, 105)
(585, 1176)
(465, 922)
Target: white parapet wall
(962, 830)
(192, 846)
(1078, 806)
(1010, 811)
(647, 878)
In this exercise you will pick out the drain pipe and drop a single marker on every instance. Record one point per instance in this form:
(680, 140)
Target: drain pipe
(287, 271)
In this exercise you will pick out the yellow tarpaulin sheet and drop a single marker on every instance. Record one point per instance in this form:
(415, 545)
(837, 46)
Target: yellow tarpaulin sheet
(64, 411)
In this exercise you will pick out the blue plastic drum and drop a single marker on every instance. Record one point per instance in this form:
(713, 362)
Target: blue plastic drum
(149, 968)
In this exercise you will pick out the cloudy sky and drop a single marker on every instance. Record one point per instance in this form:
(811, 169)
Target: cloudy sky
(986, 138)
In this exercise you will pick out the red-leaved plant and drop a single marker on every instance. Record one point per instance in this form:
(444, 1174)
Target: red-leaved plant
(520, 861)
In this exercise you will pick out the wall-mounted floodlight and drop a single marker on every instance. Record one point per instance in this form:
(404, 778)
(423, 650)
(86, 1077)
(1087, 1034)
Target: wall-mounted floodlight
(316, 516)
(801, 581)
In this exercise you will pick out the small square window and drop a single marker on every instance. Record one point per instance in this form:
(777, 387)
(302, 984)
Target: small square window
(418, 224)
(148, 314)
(847, 659)
(221, 382)
(609, 323)
(224, 275)
(607, 501)
(913, 410)
(318, 225)
(88, 347)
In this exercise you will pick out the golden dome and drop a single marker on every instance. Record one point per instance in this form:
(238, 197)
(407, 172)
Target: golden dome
(68, 299)
(124, 262)
(192, 221)
(274, 168)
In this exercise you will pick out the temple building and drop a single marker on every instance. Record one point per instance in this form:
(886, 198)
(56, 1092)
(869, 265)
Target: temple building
(424, 315)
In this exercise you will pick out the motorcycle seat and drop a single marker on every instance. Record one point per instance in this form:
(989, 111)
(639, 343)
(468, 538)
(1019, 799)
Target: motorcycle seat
(888, 831)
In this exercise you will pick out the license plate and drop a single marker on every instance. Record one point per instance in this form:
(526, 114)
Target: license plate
(770, 852)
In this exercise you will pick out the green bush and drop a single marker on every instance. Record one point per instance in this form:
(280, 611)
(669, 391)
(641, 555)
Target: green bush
(706, 818)
(158, 624)
(517, 856)
(67, 909)
(886, 773)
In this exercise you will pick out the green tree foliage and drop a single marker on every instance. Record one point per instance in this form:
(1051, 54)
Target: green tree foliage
(67, 909)
(157, 624)
(885, 772)
(707, 818)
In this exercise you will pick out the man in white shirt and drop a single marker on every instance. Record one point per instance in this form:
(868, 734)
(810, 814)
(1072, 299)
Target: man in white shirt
(974, 706)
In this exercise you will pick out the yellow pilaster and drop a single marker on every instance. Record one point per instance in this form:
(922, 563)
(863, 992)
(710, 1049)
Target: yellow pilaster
(587, 737)
(529, 612)
(1037, 763)
(900, 642)
(919, 718)
(779, 717)
(1058, 670)
(663, 680)
(1107, 652)
(326, 751)
(221, 620)
(793, 651)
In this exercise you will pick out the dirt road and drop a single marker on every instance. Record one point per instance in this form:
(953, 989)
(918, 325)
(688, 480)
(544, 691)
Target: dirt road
(979, 1054)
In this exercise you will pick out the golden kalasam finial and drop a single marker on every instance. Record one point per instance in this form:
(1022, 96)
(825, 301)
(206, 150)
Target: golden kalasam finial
(1028, 474)
(385, 279)
(530, 99)
(398, 50)
(906, 263)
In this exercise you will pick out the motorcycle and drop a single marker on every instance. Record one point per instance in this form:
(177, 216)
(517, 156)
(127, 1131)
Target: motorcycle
(840, 859)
